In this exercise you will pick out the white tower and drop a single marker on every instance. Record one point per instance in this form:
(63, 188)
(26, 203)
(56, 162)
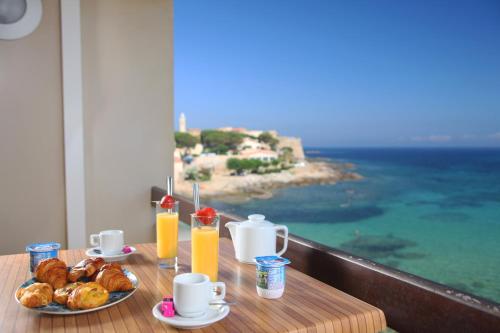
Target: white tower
(182, 123)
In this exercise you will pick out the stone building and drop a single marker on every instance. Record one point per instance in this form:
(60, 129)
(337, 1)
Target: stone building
(295, 144)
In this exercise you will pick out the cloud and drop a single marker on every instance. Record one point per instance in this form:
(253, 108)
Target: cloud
(468, 136)
(495, 136)
(432, 138)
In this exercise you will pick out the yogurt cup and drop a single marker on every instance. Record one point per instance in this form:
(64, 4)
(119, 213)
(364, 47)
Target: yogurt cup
(40, 251)
(271, 276)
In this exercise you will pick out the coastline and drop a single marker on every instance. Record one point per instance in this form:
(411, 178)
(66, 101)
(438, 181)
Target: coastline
(234, 189)
(412, 212)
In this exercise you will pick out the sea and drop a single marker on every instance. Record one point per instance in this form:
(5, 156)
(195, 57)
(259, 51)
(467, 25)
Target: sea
(430, 212)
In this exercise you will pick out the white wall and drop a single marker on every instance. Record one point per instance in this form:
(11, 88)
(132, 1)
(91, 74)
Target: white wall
(128, 121)
(32, 196)
(127, 98)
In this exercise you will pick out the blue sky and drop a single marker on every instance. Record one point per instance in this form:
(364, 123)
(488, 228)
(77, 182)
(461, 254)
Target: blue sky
(342, 73)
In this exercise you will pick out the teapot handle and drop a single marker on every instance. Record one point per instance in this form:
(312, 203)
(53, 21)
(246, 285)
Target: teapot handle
(285, 240)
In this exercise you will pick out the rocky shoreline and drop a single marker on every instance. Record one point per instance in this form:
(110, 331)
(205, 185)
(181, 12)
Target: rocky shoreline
(229, 188)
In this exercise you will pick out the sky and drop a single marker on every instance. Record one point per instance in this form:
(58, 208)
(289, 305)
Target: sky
(342, 73)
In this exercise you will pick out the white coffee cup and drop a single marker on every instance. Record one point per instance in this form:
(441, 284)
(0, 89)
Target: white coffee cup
(110, 242)
(193, 292)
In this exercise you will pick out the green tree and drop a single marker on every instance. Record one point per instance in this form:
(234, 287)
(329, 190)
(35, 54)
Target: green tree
(235, 164)
(219, 141)
(268, 138)
(190, 174)
(220, 149)
(204, 174)
(254, 165)
(240, 165)
(286, 154)
(185, 140)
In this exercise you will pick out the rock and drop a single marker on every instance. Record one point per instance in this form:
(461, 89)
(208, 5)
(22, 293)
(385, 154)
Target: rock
(261, 186)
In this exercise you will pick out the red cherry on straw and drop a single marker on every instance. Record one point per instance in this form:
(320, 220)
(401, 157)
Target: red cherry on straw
(167, 202)
(206, 215)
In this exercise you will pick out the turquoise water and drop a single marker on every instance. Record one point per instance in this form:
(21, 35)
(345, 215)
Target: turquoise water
(430, 212)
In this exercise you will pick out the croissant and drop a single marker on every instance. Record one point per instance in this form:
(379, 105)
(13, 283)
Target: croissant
(61, 295)
(113, 278)
(52, 271)
(103, 267)
(86, 268)
(87, 296)
(112, 265)
(35, 295)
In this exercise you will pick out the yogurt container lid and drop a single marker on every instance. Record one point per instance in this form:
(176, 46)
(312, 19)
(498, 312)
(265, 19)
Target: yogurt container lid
(271, 261)
(43, 247)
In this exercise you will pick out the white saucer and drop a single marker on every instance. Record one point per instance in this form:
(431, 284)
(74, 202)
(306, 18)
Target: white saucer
(117, 257)
(213, 315)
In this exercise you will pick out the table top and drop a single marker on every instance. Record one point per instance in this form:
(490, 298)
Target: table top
(308, 305)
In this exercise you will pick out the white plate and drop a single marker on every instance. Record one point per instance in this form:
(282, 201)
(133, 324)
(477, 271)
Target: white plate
(213, 315)
(117, 257)
(58, 309)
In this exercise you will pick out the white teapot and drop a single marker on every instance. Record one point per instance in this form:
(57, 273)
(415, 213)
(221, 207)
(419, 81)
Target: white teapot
(255, 237)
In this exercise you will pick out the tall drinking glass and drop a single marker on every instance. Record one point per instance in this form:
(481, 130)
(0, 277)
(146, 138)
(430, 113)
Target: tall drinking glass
(205, 246)
(167, 231)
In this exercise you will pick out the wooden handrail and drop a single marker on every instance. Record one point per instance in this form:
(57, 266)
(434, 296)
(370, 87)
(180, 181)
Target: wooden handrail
(410, 303)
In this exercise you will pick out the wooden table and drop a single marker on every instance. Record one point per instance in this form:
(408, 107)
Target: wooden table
(307, 305)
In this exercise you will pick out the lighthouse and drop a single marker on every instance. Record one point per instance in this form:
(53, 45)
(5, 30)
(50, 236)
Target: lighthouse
(182, 123)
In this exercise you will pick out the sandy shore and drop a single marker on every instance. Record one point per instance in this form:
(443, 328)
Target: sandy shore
(240, 188)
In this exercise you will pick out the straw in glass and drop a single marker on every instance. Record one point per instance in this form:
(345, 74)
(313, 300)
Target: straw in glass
(170, 185)
(170, 190)
(196, 196)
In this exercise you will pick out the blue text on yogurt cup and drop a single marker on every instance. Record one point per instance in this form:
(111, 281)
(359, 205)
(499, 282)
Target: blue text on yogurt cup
(40, 251)
(271, 276)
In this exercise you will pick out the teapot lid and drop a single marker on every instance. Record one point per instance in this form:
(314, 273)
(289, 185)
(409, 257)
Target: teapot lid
(257, 220)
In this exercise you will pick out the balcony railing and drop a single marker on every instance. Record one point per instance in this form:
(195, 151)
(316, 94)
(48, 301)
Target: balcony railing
(410, 303)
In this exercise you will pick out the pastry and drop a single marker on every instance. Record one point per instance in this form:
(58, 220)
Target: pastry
(52, 271)
(61, 294)
(103, 267)
(113, 265)
(87, 296)
(112, 278)
(35, 295)
(85, 268)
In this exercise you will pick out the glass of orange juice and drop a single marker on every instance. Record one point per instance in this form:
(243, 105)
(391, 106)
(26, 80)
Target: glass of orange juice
(205, 245)
(167, 231)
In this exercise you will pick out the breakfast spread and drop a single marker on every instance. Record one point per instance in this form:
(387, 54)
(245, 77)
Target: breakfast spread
(86, 285)
(94, 283)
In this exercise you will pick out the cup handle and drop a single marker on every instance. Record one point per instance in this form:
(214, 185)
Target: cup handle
(285, 239)
(93, 241)
(219, 286)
